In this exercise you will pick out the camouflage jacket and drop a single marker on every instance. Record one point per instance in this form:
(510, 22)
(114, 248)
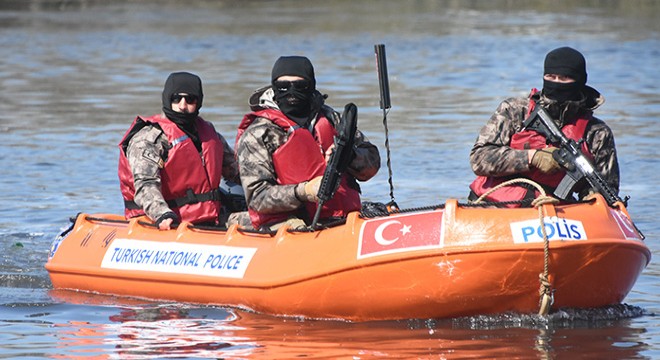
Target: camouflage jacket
(146, 153)
(257, 144)
(492, 156)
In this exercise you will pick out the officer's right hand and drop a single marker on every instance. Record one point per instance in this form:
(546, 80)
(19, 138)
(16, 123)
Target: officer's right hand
(312, 189)
(544, 161)
(164, 222)
(308, 190)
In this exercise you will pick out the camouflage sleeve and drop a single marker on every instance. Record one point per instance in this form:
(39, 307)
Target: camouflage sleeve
(600, 140)
(258, 177)
(229, 162)
(491, 154)
(146, 153)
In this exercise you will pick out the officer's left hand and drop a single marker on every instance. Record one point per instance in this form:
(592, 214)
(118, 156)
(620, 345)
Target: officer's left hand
(544, 161)
(329, 152)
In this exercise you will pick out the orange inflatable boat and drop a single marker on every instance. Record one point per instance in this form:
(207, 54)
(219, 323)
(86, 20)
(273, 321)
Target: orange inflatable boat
(455, 260)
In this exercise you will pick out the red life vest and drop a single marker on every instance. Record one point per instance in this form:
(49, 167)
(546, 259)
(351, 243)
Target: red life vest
(189, 182)
(301, 158)
(528, 140)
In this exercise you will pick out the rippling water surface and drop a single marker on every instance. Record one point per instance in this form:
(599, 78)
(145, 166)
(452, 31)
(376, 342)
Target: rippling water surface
(75, 73)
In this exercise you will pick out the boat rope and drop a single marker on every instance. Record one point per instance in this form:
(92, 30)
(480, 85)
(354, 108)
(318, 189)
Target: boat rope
(389, 161)
(545, 291)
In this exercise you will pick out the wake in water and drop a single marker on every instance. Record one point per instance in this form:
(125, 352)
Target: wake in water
(567, 318)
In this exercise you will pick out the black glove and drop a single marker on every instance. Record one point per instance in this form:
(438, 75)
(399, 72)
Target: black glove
(167, 215)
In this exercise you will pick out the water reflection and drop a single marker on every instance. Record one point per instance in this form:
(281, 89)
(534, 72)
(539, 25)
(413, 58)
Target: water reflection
(164, 335)
(145, 330)
(170, 332)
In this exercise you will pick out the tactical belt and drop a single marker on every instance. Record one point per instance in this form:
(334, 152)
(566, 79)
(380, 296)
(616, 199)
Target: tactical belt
(190, 198)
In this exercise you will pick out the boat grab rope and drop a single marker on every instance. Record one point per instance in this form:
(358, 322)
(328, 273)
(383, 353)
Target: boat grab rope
(546, 292)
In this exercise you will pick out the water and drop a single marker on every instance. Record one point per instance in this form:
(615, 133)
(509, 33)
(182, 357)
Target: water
(75, 73)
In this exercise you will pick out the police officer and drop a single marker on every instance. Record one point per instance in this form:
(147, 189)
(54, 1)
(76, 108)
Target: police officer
(171, 164)
(504, 150)
(282, 147)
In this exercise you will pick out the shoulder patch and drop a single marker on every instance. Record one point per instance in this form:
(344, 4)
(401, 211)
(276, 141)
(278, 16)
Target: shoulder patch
(150, 155)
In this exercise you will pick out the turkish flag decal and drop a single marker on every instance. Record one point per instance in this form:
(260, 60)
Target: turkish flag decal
(399, 233)
(626, 225)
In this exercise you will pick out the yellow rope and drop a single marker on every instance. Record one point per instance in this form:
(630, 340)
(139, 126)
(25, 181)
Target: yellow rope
(545, 290)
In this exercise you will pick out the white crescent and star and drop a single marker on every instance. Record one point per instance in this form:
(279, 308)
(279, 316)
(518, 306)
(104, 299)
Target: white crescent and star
(624, 221)
(378, 234)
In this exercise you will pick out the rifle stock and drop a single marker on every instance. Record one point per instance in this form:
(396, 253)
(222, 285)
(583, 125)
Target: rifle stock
(570, 157)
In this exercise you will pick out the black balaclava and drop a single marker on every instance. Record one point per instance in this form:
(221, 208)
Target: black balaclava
(569, 62)
(191, 84)
(296, 104)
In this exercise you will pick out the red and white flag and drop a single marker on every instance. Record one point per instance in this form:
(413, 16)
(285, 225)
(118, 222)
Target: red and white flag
(400, 233)
(626, 225)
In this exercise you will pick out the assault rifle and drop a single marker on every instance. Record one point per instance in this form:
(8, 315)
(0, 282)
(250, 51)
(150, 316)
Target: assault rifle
(570, 156)
(340, 158)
